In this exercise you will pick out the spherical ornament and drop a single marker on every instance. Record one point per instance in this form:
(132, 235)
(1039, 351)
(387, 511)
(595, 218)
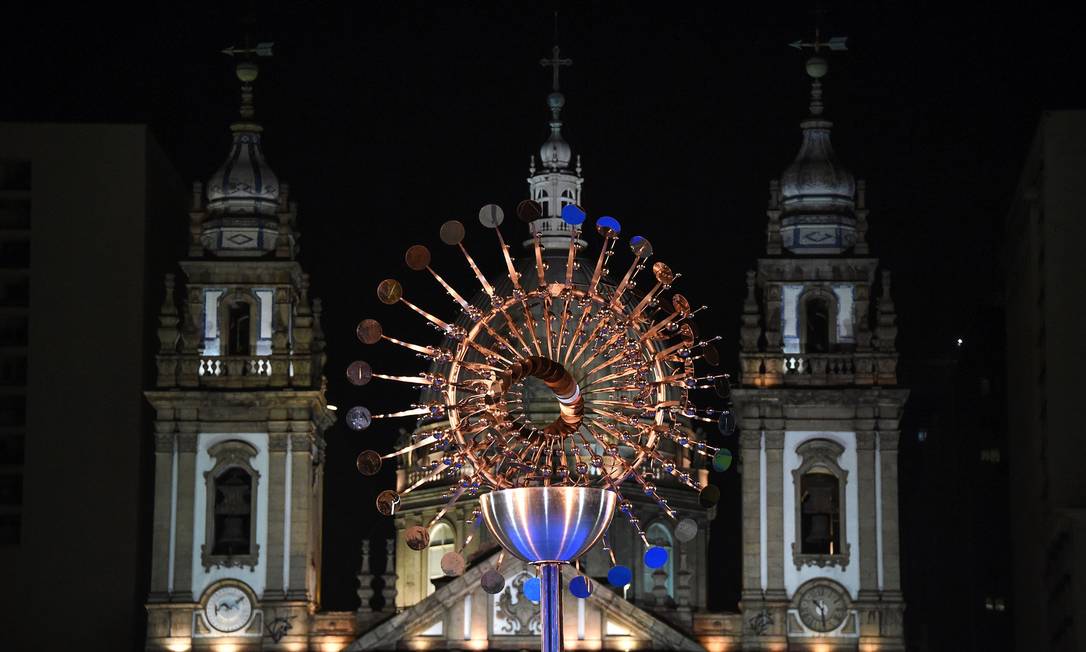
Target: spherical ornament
(493, 582)
(817, 67)
(369, 331)
(531, 589)
(387, 501)
(389, 291)
(359, 418)
(619, 576)
(453, 564)
(686, 530)
(722, 461)
(417, 257)
(726, 422)
(655, 557)
(709, 496)
(416, 537)
(580, 586)
(368, 462)
(359, 373)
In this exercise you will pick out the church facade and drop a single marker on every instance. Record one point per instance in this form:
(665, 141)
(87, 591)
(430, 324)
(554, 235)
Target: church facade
(240, 411)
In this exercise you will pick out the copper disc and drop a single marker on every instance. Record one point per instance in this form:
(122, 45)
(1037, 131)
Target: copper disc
(663, 273)
(709, 496)
(387, 501)
(722, 387)
(359, 373)
(369, 331)
(452, 232)
(493, 582)
(368, 462)
(680, 304)
(686, 332)
(389, 291)
(529, 211)
(417, 257)
(453, 564)
(416, 537)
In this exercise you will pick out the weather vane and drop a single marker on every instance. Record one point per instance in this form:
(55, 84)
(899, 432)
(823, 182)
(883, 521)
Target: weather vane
(620, 360)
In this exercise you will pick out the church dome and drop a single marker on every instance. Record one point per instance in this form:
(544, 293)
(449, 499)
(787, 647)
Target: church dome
(816, 181)
(244, 184)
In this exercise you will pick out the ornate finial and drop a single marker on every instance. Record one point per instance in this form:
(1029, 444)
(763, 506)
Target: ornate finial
(817, 67)
(247, 71)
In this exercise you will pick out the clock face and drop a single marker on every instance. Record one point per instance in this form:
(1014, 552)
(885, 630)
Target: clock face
(823, 608)
(228, 609)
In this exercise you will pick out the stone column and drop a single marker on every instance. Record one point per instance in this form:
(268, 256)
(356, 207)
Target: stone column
(749, 446)
(301, 469)
(187, 545)
(160, 542)
(865, 551)
(775, 548)
(891, 560)
(277, 455)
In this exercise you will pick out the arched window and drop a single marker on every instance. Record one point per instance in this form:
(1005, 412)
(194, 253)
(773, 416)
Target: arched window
(659, 535)
(239, 330)
(820, 513)
(442, 540)
(821, 538)
(817, 323)
(233, 512)
(231, 486)
(567, 198)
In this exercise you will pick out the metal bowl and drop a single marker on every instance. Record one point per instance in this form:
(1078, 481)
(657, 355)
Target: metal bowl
(548, 524)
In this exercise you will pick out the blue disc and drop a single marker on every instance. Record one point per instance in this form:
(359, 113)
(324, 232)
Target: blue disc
(722, 461)
(619, 576)
(580, 586)
(655, 557)
(531, 589)
(572, 214)
(608, 222)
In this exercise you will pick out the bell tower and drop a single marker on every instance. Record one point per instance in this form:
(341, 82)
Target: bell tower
(239, 415)
(819, 408)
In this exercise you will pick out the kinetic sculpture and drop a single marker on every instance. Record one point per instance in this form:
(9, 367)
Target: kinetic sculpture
(620, 362)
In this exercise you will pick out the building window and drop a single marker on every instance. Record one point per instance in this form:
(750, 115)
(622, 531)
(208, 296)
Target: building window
(816, 325)
(233, 512)
(820, 513)
(819, 482)
(442, 540)
(238, 329)
(659, 535)
(231, 485)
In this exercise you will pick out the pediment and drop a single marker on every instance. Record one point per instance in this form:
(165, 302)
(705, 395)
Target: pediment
(605, 620)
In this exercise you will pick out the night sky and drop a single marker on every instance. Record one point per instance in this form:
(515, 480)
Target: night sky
(388, 119)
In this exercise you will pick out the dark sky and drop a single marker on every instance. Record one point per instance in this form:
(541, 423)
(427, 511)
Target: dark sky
(389, 118)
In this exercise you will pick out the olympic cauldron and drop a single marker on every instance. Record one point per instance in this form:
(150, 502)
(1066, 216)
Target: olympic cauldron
(621, 363)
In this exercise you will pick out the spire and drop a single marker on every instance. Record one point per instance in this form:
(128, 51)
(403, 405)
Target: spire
(817, 194)
(244, 187)
(556, 183)
(555, 154)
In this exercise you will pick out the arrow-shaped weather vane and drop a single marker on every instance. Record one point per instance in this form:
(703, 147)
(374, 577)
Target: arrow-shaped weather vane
(261, 50)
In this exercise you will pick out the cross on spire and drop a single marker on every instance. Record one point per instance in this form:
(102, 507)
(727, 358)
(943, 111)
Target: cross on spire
(555, 62)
